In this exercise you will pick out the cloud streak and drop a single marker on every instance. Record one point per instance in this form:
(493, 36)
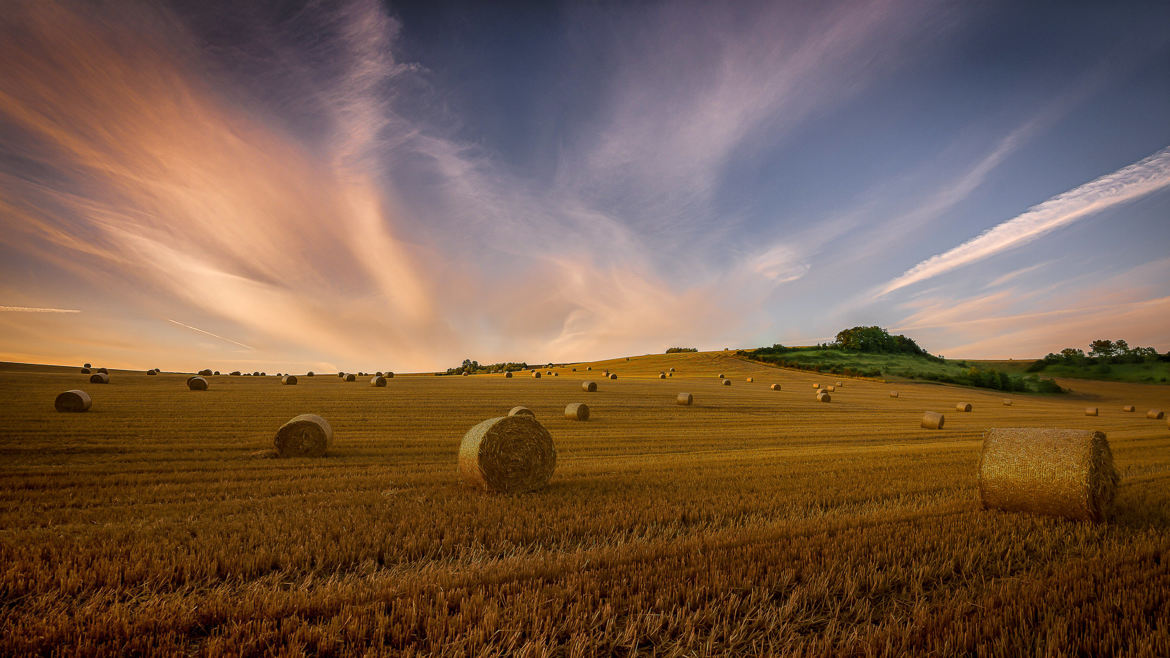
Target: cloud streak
(208, 333)
(32, 309)
(1134, 181)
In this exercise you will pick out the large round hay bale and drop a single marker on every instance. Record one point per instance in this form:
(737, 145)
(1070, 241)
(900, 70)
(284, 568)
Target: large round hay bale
(613, 375)
(289, 380)
(577, 411)
(378, 381)
(775, 387)
(307, 435)
(1007, 403)
(963, 406)
(824, 396)
(74, 400)
(589, 386)
(521, 411)
(932, 420)
(512, 454)
(684, 399)
(727, 382)
(197, 383)
(1128, 407)
(536, 375)
(1067, 473)
(1090, 411)
(99, 378)
(86, 371)
(351, 377)
(893, 394)
(151, 372)
(1155, 414)
(508, 375)
(103, 371)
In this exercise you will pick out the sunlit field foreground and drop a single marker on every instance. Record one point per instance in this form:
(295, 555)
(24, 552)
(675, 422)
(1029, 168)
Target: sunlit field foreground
(754, 521)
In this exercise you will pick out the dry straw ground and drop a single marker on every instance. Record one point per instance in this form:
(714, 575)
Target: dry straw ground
(752, 521)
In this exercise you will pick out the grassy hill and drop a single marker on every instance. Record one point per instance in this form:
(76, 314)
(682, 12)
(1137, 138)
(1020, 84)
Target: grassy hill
(905, 366)
(1149, 372)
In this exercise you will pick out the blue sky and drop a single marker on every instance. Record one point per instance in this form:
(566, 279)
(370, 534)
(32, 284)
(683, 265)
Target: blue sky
(363, 185)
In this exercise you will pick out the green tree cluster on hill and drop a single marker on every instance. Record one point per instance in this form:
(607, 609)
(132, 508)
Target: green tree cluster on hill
(472, 367)
(673, 350)
(1101, 353)
(875, 339)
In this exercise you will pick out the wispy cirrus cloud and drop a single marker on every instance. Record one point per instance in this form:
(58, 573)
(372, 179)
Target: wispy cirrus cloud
(208, 333)
(33, 309)
(1134, 181)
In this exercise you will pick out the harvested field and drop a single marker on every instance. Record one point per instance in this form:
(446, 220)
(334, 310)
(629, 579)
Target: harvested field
(754, 521)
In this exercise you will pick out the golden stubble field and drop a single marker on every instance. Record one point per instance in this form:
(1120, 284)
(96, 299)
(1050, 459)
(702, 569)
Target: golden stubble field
(755, 521)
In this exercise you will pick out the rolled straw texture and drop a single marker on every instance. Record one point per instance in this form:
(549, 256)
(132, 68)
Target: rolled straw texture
(577, 411)
(351, 377)
(307, 435)
(727, 382)
(536, 375)
(1059, 472)
(963, 406)
(511, 454)
(893, 394)
(1155, 414)
(378, 381)
(613, 375)
(1090, 411)
(589, 386)
(289, 380)
(74, 400)
(775, 387)
(99, 378)
(1007, 403)
(824, 397)
(197, 383)
(521, 411)
(1128, 407)
(684, 399)
(932, 420)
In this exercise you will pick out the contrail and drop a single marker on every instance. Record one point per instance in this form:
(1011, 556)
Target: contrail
(233, 342)
(32, 309)
(1126, 184)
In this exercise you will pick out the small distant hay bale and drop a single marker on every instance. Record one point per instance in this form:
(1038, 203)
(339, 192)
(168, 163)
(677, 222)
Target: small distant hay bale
(88, 365)
(548, 372)
(1007, 403)
(1128, 408)
(893, 394)
(99, 378)
(508, 375)
(307, 435)
(309, 374)
(74, 400)
(1155, 414)
(750, 379)
(465, 374)
(378, 381)
(727, 382)
(376, 374)
(388, 375)
(536, 375)
(627, 358)
(556, 374)
(85, 371)
(1090, 411)
(589, 386)
(256, 374)
(197, 383)
(206, 372)
(720, 375)
(685, 399)
(775, 387)
(613, 375)
(521, 411)
(932, 420)
(217, 372)
(289, 380)
(831, 389)
(662, 375)
(577, 411)
(512, 454)
(235, 373)
(1059, 472)
(670, 374)
(151, 372)
(574, 370)
(840, 383)
(963, 406)
(351, 377)
(816, 385)
(341, 375)
(103, 371)
(824, 396)
(589, 368)
(672, 369)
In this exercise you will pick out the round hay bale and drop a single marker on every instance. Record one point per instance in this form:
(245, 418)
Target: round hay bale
(720, 375)
(1059, 472)
(613, 375)
(556, 374)
(933, 421)
(1155, 414)
(823, 396)
(103, 371)
(672, 369)
(831, 389)
(670, 374)
(235, 373)
(85, 371)
(685, 399)
(88, 365)
(521, 411)
(351, 377)
(206, 372)
(465, 374)
(289, 380)
(256, 374)
(341, 375)
(577, 411)
(307, 435)
(1128, 407)
(589, 367)
(99, 378)
(816, 385)
(512, 454)
(508, 375)
(197, 383)
(840, 383)
(376, 374)
(775, 387)
(1090, 411)
(74, 400)
(727, 382)
(1007, 403)
(309, 374)
(750, 379)
(662, 375)
(536, 375)
(378, 381)
(388, 375)
(574, 370)
(893, 394)
(963, 406)
(151, 372)
(589, 386)
(549, 372)
(217, 372)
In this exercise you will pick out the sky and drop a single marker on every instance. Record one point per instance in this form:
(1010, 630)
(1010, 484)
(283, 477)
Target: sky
(368, 185)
